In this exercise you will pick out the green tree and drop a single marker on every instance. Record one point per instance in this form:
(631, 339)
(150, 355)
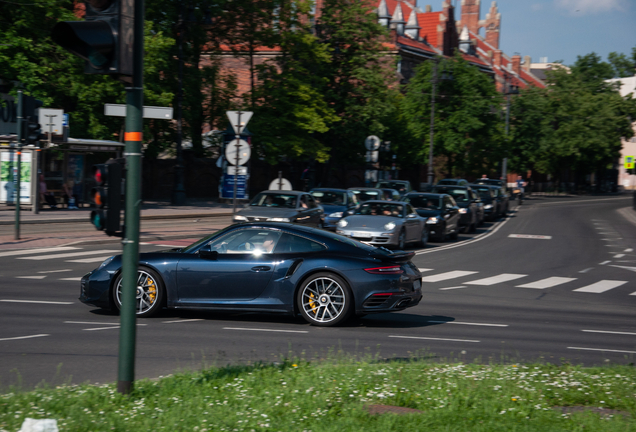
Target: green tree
(468, 122)
(622, 65)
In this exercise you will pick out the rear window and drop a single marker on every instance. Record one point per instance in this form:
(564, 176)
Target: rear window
(290, 243)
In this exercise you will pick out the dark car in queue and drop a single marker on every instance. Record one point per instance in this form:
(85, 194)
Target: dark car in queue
(391, 194)
(265, 267)
(282, 206)
(442, 213)
(470, 212)
(365, 194)
(491, 182)
(335, 203)
(385, 223)
(488, 199)
(402, 186)
(503, 201)
(452, 182)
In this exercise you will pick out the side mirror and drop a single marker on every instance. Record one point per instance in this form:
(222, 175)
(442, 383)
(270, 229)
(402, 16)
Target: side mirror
(207, 253)
(349, 212)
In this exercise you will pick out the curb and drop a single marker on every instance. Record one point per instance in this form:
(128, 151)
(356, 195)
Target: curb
(146, 217)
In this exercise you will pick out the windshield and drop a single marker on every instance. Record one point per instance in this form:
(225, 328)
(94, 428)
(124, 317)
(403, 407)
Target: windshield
(366, 195)
(380, 209)
(484, 192)
(205, 239)
(458, 194)
(330, 197)
(423, 202)
(274, 199)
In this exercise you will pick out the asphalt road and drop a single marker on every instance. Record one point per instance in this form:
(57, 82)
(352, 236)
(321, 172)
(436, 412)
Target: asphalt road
(553, 282)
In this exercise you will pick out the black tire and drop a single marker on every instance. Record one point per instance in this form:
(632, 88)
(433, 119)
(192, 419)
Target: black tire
(150, 292)
(453, 235)
(423, 238)
(441, 235)
(401, 240)
(466, 229)
(472, 228)
(324, 299)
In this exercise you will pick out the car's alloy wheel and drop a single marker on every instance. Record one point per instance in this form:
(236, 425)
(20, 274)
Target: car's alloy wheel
(324, 300)
(148, 295)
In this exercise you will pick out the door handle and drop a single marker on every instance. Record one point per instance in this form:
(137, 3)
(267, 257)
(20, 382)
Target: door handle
(261, 268)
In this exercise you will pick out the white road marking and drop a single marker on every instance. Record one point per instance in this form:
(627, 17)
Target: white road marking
(432, 338)
(36, 301)
(447, 275)
(610, 332)
(604, 262)
(265, 330)
(109, 328)
(36, 251)
(24, 337)
(90, 322)
(504, 277)
(614, 246)
(55, 271)
(182, 321)
(422, 270)
(602, 286)
(30, 277)
(547, 283)
(601, 349)
(624, 267)
(90, 260)
(471, 324)
(452, 288)
(619, 255)
(586, 270)
(67, 255)
(77, 279)
(530, 236)
(628, 250)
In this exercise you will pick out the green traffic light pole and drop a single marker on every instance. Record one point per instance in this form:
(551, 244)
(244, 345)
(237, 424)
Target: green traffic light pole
(130, 259)
(19, 167)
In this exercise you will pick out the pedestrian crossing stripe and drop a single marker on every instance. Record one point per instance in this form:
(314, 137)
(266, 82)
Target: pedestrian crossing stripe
(547, 283)
(68, 255)
(36, 251)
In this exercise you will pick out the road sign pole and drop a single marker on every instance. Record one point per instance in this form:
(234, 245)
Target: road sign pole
(236, 165)
(130, 259)
(19, 166)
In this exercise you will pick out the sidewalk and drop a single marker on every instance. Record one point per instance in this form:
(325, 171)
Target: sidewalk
(74, 225)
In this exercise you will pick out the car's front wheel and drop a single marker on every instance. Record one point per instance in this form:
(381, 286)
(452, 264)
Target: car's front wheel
(324, 299)
(149, 292)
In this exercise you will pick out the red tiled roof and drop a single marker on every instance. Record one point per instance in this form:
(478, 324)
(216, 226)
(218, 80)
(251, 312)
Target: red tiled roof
(391, 5)
(404, 40)
(428, 22)
(475, 59)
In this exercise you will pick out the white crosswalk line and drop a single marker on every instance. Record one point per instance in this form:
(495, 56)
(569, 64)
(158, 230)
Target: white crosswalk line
(447, 276)
(71, 279)
(36, 251)
(90, 260)
(422, 270)
(547, 283)
(30, 277)
(504, 277)
(67, 255)
(601, 286)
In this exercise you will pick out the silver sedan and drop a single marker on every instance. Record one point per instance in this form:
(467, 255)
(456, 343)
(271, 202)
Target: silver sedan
(385, 223)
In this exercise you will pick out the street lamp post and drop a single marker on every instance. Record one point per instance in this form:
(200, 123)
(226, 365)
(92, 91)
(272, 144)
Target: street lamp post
(178, 193)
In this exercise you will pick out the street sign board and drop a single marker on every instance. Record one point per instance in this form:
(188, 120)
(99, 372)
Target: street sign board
(629, 162)
(280, 184)
(238, 146)
(233, 116)
(228, 187)
(242, 170)
(51, 120)
(372, 142)
(152, 112)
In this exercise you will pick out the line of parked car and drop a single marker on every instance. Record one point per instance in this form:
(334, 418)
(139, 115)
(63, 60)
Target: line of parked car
(391, 214)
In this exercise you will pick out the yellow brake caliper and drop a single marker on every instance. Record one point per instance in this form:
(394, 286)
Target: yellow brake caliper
(312, 304)
(152, 291)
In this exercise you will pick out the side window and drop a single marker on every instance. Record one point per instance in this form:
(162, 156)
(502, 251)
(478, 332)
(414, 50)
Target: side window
(353, 198)
(310, 201)
(410, 209)
(448, 203)
(290, 243)
(247, 241)
(303, 202)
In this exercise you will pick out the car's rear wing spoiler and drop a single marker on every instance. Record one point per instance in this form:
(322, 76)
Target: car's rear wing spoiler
(398, 256)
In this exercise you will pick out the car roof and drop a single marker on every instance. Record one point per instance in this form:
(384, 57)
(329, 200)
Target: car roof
(328, 190)
(286, 192)
(478, 185)
(384, 202)
(453, 186)
(426, 194)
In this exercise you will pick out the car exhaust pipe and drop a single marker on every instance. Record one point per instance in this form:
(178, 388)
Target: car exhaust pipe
(403, 303)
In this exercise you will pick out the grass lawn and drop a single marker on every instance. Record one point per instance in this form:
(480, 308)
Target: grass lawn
(339, 395)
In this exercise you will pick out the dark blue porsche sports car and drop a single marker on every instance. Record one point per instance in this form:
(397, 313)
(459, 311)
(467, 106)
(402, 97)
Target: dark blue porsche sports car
(266, 267)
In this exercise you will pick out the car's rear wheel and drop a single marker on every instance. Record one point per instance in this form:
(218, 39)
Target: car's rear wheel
(324, 299)
(149, 292)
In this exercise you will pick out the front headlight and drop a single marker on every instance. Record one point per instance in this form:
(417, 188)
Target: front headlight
(432, 220)
(336, 215)
(487, 206)
(389, 226)
(106, 262)
(463, 210)
(278, 220)
(342, 223)
(239, 218)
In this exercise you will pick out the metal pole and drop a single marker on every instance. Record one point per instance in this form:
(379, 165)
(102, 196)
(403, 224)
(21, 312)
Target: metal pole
(19, 167)
(50, 125)
(130, 259)
(430, 147)
(504, 163)
(280, 180)
(178, 193)
(35, 163)
(238, 149)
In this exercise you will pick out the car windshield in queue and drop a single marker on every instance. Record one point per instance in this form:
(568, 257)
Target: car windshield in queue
(273, 199)
(380, 209)
(458, 194)
(423, 202)
(484, 192)
(367, 195)
(392, 185)
(329, 197)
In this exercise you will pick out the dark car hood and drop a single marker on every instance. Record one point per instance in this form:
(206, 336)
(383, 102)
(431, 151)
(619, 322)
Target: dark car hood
(428, 213)
(333, 208)
(267, 212)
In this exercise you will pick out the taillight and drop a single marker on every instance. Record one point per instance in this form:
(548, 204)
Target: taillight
(385, 270)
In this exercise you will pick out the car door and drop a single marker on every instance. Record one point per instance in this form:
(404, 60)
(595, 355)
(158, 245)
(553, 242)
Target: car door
(451, 213)
(240, 268)
(413, 224)
(316, 211)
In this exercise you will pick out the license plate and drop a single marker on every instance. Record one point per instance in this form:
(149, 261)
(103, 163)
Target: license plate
(417, 284)
(361, 234)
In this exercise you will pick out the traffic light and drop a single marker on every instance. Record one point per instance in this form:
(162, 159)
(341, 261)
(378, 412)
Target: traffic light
(107, 196)
(32, 132)
(104, 39)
